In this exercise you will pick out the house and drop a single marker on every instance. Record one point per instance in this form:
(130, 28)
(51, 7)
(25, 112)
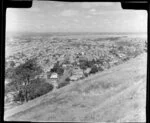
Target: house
(77, 74)
(67, 65)
(113, 62)
(76, 77)
(77, 71)
(54, 76)
(87, 71)
(122, 56)
(53, 79)
(82, 53)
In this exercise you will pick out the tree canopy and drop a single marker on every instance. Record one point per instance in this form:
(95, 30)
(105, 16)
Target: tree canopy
(22, 75)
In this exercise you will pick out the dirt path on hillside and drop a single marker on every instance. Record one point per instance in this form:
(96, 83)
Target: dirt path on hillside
(115, 95)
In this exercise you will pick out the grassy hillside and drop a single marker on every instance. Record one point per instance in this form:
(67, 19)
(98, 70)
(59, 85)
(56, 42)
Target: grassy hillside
(116, 94)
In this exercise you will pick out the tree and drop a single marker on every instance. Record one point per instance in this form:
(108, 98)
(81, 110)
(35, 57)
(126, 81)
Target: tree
(22, 75)
(9, 64)
(83, 66)
(94, 69)
(58, 69)
(38, 87)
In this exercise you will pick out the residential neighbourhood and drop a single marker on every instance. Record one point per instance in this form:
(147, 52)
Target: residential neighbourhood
(66, 62)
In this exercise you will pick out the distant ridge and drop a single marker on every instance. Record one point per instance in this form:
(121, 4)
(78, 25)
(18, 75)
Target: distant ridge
(75, 33)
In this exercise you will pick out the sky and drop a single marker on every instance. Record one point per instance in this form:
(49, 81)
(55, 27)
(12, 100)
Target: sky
(50, 16)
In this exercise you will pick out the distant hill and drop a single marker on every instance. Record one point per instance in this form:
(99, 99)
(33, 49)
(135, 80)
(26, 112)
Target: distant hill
(75, 33)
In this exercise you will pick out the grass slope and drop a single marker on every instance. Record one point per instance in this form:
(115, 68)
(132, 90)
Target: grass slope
(116, 95)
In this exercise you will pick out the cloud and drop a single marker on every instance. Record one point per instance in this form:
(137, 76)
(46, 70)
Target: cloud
(95, 4)
(54, 15)
(76, 20)
(69, 13)
(94, 23)
(92, 10)
(88, 16)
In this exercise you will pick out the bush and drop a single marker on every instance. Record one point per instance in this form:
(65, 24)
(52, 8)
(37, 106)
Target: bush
(100, 69)
(19, 97)
(86, 74)
(62, 84)
(38, 88)
(60, 71)
(94, 69)
(68, 79)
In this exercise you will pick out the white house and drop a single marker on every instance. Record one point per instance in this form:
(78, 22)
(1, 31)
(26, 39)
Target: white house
(87, 70)
(54, 79)
(121, 55)
(54, 76)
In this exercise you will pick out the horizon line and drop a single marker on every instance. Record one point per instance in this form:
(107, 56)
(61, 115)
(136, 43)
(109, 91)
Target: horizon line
(67, 32)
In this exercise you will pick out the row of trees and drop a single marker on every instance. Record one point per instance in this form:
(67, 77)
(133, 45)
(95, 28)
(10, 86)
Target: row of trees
(83, 64)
